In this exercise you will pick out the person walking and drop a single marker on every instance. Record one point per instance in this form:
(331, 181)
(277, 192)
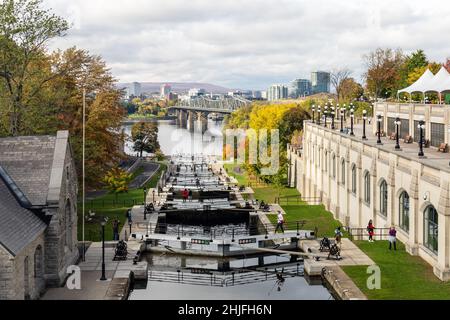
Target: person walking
(280, 222)
(190, 195)
(115, 226)
(370, 230)
(185, 195)
(392, 238)
(338, 236)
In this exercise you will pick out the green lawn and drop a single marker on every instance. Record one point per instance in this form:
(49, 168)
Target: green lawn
(402, 276)
(315, 217)
(112, 207)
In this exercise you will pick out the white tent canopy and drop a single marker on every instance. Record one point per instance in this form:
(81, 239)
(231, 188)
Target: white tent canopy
(430, 83)
(420, 84)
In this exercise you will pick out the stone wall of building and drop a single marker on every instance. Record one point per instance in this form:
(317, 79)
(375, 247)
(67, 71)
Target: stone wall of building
(324, 170)
(61, 235)
(28, 264)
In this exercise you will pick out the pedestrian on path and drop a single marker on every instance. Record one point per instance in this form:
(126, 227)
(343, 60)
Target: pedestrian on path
(392, 238)
(190, 195)
(115, 226)
(185, 195)
(280, 222)
(338, 236)
(370, 230)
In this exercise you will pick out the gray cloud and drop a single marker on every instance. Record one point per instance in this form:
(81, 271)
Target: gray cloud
(248, 44)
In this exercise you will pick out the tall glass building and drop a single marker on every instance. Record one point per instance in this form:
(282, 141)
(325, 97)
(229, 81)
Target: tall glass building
(300, 88)
(277, 92)
(320, 82)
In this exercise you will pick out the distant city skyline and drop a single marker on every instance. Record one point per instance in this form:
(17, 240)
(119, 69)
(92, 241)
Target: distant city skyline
(212, 42)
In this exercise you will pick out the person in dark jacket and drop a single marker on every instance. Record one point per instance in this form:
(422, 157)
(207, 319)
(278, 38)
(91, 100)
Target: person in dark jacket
(370, 230)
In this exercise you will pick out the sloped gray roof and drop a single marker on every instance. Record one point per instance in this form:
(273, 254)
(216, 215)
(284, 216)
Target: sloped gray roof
(28, 161)
(18, 226)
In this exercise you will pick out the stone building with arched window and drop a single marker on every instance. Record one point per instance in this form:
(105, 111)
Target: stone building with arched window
(376, 182)
(38, 214)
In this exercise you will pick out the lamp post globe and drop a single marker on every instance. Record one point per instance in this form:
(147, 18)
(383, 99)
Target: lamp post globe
(397, 123)
(352, 116)
(379, 128)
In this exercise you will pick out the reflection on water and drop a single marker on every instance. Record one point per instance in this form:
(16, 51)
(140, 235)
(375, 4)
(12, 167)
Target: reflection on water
(179, 277)
(175, 140)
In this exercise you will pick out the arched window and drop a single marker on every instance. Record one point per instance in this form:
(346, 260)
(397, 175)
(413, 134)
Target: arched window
(367, 187)
(38, 263)
(430, 216)
(383, 198)
(343, 171)
(404, 211)
(333, 168)
(354, 178)
(326, 161)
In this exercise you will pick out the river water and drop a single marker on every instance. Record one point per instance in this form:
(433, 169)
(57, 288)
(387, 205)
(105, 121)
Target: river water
(174, 277)
(175, 140)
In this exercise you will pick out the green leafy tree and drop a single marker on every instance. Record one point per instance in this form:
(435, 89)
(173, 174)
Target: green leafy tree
(117, 180)
(145, 137)
(25, 29)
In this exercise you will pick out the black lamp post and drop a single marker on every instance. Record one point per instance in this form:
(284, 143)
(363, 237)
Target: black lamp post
(130, 223)
(364, 124)
(337, 111)
(332, 118)
(313, 108)
(379, 128)
(103, 223)
(318, 119)
(342, 120)
(325, 113)
(397, 123)
(352, 116)
(153, 193)
(421, 128)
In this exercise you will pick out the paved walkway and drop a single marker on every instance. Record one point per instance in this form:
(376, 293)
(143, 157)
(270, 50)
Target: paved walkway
(117, 273)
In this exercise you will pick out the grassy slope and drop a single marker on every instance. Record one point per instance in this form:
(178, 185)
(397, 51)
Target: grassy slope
(108, 206)
(402, 276)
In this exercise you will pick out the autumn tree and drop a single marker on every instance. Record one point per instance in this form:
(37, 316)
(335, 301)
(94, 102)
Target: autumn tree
(338, 77)
(351, 90)
(145, 137)
(25, 29)
(117, 181)
(383, 71)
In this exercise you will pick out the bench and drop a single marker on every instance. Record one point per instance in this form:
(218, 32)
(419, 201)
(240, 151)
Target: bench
(443, 148)
(408, 139)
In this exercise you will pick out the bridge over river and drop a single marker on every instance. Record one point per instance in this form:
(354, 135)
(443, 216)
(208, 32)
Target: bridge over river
(190, 113)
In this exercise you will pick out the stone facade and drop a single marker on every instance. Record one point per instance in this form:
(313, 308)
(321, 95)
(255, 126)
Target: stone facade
(41, 262)
(347, 174)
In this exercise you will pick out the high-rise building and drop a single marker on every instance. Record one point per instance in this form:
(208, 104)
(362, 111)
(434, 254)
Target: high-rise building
(320, 82)
(277, 92)
(300, 88)
(134, 89)
(165, 90)
(196, 92)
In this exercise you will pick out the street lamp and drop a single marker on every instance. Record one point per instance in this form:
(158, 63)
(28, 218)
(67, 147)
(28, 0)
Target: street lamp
(318, 119)
(332, 118)
(337, 110)
(313, 108)
(397, 123)
(379, 128)
(342, 120)
(364, 124)
(352, 116)
(325, 113)
(421, 128)
(103, 223)
(153, 193)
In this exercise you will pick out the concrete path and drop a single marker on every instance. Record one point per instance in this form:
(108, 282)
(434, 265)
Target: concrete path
(117, 273)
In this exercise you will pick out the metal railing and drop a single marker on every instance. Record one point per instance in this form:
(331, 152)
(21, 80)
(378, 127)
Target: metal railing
(356, 234)
(297, 199)
(218, 232)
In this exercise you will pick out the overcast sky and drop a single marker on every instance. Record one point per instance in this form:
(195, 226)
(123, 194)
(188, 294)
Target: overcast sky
(248, 44)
